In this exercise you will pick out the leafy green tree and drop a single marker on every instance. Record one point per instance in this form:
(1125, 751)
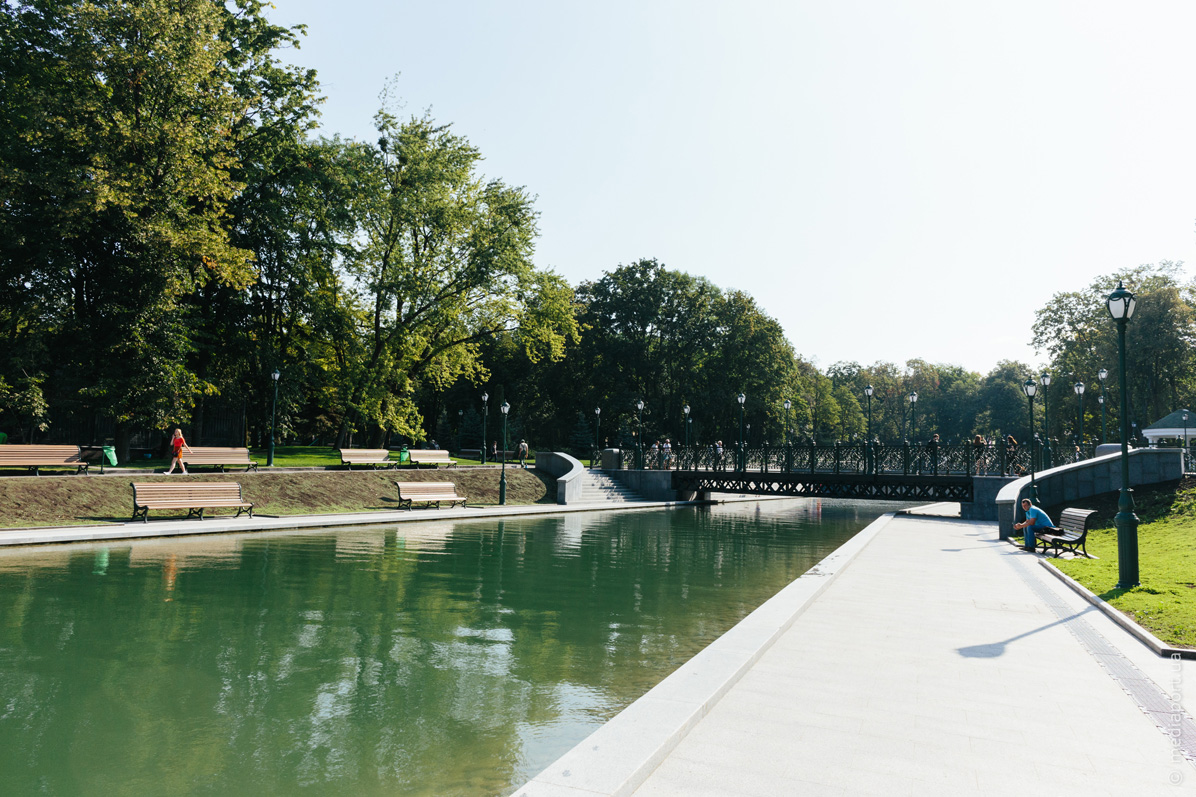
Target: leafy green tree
(444, 264)
(119, 126)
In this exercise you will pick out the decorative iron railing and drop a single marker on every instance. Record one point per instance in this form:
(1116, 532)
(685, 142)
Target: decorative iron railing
(922, 459)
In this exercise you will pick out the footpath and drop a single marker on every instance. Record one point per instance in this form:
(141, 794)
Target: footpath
(925, 657)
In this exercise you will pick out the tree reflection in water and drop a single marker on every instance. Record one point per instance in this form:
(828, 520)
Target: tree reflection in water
(434, 658)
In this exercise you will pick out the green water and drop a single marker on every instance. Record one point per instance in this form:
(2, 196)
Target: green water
(427, 659)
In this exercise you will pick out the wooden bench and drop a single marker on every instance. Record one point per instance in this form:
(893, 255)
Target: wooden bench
(34, 457)
(429, 456)
(1071, 533)
(218, 457)
(375, 457)
(192, 496)
(428, 493)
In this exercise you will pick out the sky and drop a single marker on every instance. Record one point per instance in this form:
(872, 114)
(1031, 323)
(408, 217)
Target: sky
(889, 180)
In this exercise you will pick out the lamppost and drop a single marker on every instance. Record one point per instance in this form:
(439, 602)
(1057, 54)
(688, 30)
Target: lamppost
(1045, 381)
(639, 422)
(1030, 389)
(1121, 308)
(597, 429)
(1079, 388)
(460, 423)
(913, 401)
(502, 479)
(868, 443)
(273, 408)
(485, 415)
(788, 461)
(868, 393)
(1185, 441)
(685, 410)
(1102, 375)
(741, 399)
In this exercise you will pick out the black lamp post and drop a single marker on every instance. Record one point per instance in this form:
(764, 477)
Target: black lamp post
(868, 443)
(273, 408)
(1121, 308)
(639, 422)
(485, 415)
(685, 410)
(597, 429)
(1102, 375)
(1079, 388)
(502, 479)
(913, 401)
(787, 405)
(1031, 388)
(1185, 460)
(741, 399)
(1045, 381)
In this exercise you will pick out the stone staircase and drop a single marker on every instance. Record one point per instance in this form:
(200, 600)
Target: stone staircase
(597, 487)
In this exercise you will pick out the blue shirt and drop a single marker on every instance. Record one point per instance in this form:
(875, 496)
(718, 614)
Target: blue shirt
(1040, 518)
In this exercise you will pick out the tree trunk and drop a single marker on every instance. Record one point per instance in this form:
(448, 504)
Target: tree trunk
(121, 438)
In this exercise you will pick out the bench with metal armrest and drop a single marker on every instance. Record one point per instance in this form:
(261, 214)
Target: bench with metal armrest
(35, 457)
(218, 457)
(1071, 533)
(428, 493)
(195, 497)
(375, 457)
(429, 456)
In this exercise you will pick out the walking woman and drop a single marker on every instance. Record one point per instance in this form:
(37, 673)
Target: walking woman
(177, 444)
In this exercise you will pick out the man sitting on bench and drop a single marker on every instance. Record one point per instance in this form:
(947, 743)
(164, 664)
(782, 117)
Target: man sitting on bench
(1036, 520)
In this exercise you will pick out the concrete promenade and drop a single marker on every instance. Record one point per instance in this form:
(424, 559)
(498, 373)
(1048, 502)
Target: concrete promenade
(930, 659)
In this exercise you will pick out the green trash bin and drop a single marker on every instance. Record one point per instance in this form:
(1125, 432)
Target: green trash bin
(404, 456)
(3, 438)
(109, 454)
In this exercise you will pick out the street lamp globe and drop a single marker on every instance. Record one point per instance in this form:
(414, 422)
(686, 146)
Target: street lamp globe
(1100, 399)
(1079, 388)
(1045, 379)
(685, 409)
(787, 405)
(505, 408)
(639, 405)
(741, 398)
(868, 391)
(913, 398)
(1121, 303)
(1102, 375)
(1030, 388)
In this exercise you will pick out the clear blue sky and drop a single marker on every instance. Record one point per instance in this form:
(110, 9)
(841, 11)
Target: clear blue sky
(888, 180)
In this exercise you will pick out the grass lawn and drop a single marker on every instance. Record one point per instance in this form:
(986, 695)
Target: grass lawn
(1165, 602)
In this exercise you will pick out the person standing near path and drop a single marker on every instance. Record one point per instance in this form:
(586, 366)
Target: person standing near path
(522, 452)
(1036, 520)
(177, 444)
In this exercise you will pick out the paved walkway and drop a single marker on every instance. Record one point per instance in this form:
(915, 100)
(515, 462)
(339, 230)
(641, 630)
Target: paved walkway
(937, 661)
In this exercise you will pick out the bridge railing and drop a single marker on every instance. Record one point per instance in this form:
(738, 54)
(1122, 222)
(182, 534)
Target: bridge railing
(924, 459)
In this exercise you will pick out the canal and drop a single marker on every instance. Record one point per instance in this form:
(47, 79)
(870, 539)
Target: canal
(438, 658)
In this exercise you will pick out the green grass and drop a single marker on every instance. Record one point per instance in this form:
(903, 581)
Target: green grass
(1165, 602)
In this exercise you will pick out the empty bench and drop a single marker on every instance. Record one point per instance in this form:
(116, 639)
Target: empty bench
(1071, 533)
(34, 457)
(429, 456)
(219, 457)
(428, 493)
(374, 457)
(195, 497)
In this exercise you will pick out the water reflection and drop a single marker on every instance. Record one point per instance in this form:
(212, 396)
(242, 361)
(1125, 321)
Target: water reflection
(435, 658)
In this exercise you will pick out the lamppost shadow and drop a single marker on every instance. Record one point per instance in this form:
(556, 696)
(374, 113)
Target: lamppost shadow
(993, 650)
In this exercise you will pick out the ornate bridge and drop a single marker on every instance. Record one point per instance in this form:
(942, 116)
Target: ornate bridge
(876, 471)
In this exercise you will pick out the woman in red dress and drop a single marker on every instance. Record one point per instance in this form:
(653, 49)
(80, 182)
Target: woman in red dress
(177, 444)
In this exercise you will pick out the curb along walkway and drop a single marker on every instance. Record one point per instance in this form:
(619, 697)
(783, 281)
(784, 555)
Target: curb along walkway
(130, 530)
(936, 661)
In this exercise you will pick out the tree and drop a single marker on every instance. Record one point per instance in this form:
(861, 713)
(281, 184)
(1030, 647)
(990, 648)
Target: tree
(444, 265)
(119, 127)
